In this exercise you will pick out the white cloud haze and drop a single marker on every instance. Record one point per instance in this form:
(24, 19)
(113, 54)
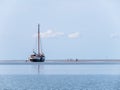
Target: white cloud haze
(50, 34)
(53, 34)
(74, 35)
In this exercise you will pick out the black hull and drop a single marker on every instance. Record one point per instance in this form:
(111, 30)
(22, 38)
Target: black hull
(37, 60)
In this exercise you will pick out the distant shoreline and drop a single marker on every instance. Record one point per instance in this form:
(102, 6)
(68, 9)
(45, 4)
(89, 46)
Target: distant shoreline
(61, 62)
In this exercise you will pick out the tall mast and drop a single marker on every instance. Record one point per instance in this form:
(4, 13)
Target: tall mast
(38, 39)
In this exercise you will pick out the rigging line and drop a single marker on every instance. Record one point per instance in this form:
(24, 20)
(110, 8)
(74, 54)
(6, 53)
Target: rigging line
(41, 46)
(35, 43)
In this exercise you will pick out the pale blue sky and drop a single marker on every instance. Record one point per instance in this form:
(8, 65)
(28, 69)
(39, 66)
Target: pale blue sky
(84, 29)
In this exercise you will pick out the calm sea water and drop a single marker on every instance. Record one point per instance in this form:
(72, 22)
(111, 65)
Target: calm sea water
(59, 82)
(60, 77)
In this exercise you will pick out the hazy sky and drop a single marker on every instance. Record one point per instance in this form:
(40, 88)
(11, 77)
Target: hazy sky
(84, 29)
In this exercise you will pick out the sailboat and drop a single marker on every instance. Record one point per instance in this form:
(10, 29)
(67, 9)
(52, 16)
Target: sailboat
(38, 57)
